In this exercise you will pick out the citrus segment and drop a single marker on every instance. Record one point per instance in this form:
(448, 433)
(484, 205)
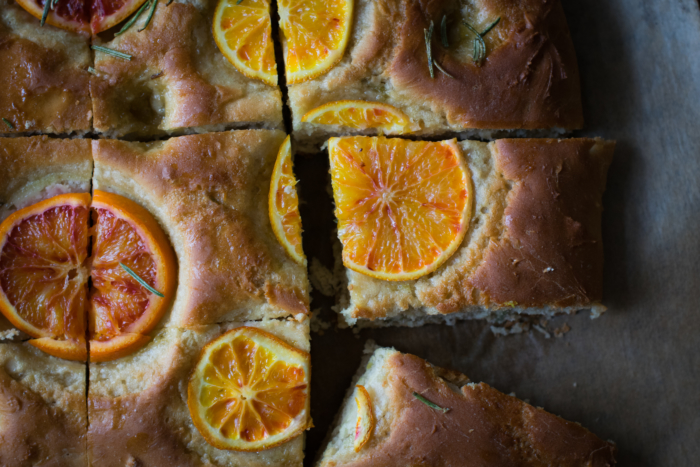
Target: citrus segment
(243, 32)
(249, 391)
(83, 15)
(43, 273)
(121, 309)
(284, 204)
(316, 33)
(365, 418)
(403, 207)
(360, 115)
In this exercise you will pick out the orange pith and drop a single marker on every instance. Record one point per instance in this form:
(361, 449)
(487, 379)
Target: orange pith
(243, 33)
(316, 33)
(284, 204)
(45, 266)
(403, 207)
(249, 391)
(360, 115)
(84, 16)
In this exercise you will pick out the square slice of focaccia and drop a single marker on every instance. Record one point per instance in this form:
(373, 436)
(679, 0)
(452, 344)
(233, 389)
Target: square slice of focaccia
(177, 81)
(526, 81)
(533, 245)
(36, 168)
(45, 82)
(468, 424)
(43, 409)
(139, 412)
(210, 194)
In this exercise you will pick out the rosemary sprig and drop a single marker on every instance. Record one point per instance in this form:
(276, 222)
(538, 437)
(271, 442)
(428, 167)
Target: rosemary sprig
(45, 14)
(157, 75)
(150, 15)
(443, 32)
(7, 122)
(111, 52)
(437, 65)
(430, 404)
(133, 19)
(169, 2)
(140, 281)
(479, 52)
(428, 39)
(92, 71)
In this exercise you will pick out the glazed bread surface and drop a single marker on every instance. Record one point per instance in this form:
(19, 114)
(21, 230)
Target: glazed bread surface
(45, 82)
(138, 404)
(482, 426)
(528, 82)
(43, 414)
(533, 246)
(210, 194)
(177, 80)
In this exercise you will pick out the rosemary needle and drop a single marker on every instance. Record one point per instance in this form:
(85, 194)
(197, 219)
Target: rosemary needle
(239, 2)
(169, 2)
(111, 52)
(428, 39)
(443, 32)
(150, 15)
(45, 14)
(479, 45)
(428, 403)
(8, 123)
(437, 65)
(493, 25)
(132, 20)
(91, 70)
(140, 281)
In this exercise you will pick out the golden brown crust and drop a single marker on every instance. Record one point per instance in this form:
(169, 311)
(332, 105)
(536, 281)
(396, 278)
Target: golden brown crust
(149, 423)
(176, 80)
(43, 418)
(44, 76)
(528, 80)
(534, 240)
(551, 252)
(32, 165)
(482, 427)
(209, 192)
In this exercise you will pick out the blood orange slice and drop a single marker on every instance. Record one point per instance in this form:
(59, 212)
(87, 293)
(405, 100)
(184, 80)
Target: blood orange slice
(249, 391)
(360, 115)
(44, 274)
(45, 267)
(122, 310)
(84, 16)
(365, 418)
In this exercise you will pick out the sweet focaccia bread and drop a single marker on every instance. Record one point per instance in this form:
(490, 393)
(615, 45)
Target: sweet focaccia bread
(482, 426)
(36, 168)
(43, 414)
(138, 405)
(528, 79)
(210, 194)
(533, 245)
(45, 82)
(177, 80)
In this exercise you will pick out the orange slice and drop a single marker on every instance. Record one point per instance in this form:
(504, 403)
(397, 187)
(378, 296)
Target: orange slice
(84, 16)
(316, 33)
(403, 207)
(249, 391)
(44, 274)
(283, 204)
(44, 271)
(360, 115)
(122, 311)
(243, 32)
(365, 418)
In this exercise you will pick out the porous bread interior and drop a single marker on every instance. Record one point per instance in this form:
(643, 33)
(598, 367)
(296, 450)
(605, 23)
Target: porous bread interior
(59, 382)
(407, 303)
(372, 374)
(169, 359)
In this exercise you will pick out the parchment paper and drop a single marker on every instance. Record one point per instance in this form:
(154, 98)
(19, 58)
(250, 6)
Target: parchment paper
(633, 375)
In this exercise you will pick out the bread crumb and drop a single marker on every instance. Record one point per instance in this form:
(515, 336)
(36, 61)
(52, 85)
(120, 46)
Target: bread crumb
(560, 331)
(322, 279)
(9, 334)
(318, 325)
(542, 330)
